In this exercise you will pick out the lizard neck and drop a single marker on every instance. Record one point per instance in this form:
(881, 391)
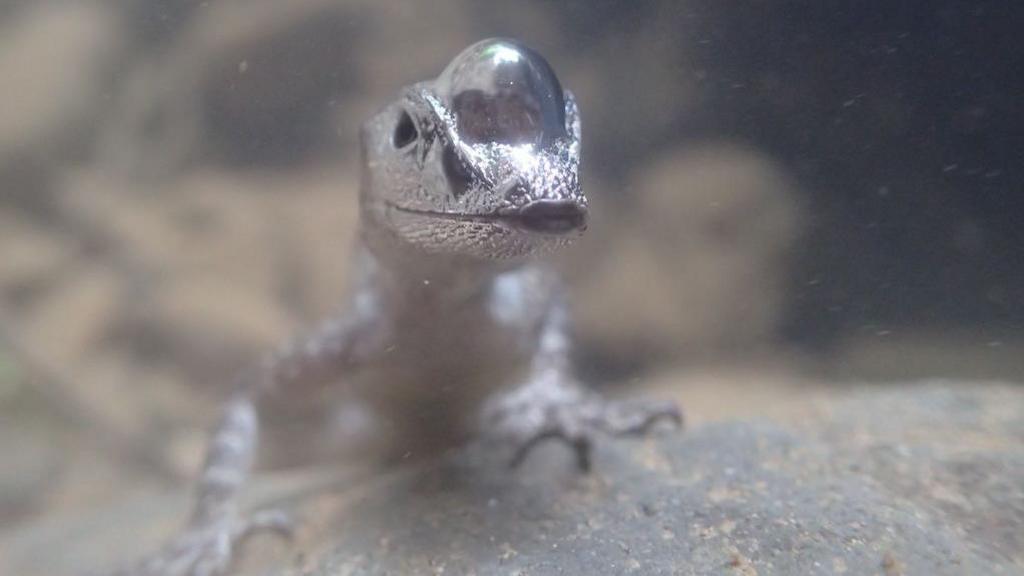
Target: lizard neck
(410, 273)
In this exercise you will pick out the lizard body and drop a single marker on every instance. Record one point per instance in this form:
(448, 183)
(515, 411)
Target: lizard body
(454, 328)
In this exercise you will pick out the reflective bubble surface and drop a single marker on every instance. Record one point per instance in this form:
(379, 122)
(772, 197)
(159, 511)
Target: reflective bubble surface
(502, 91)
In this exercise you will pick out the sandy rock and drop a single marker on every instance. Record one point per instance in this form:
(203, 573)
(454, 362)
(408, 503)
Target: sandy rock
(917, 479)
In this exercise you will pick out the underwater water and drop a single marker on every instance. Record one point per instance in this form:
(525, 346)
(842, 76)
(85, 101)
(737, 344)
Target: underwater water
(789, 200)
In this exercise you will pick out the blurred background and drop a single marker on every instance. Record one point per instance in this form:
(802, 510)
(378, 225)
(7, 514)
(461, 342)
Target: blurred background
(786, 194)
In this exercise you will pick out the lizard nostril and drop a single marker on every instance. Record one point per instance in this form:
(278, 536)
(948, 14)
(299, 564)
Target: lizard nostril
(516, 194)
(553, 217)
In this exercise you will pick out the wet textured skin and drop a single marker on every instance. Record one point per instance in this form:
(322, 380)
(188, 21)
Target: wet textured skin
(454, 329)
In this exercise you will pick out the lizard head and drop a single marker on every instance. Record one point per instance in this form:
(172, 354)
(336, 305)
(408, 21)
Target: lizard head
(482, 161)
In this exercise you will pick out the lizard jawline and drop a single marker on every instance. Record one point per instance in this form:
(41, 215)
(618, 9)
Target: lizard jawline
(565, 218)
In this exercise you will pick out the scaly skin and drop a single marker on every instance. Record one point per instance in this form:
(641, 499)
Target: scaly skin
(454, 329)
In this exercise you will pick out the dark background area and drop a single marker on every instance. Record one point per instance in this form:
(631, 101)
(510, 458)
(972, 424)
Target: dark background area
(902, 121)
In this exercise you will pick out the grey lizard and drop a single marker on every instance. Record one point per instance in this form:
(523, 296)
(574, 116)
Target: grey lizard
(454, 328)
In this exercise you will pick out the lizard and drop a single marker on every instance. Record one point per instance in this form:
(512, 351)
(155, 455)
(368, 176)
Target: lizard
(456, 326)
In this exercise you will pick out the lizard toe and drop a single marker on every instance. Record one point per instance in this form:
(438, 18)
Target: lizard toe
(208, 549)
(578, 424)
(637, 417)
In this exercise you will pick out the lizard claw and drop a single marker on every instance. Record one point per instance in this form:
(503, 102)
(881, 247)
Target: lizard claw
(580, 442)
(637, 417)
(527, 420)
(208, 549)
(272, 520)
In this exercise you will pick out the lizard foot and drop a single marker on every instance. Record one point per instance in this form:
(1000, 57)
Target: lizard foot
(527, 418)
(208, 549)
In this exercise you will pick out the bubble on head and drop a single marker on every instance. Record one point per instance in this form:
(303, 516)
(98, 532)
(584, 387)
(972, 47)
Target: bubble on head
(501, 91)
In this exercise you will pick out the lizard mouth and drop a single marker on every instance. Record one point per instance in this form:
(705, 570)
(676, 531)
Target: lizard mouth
(550, 217)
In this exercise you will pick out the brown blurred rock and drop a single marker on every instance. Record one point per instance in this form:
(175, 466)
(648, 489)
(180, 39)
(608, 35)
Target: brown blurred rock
(31, 256)
(627, 93)
(693, 259)
(274, 84)
(71, 322)
(134, 315)
(222, 265)
(55, 61)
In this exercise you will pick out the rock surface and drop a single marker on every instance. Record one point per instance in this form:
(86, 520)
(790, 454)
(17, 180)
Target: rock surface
(923, 478)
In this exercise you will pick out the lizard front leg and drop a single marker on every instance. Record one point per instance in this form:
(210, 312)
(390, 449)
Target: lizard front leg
(552, 405)
(217, 526)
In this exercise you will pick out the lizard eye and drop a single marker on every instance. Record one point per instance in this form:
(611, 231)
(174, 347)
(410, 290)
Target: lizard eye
(405, 131)
(501, 91)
